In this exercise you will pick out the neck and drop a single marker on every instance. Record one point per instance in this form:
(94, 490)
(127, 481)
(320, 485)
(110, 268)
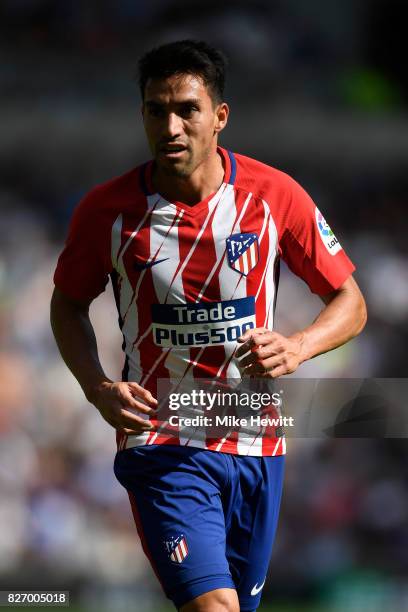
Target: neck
(205, 180)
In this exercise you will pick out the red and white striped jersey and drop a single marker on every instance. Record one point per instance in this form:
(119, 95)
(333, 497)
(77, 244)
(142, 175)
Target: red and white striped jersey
(189, 280)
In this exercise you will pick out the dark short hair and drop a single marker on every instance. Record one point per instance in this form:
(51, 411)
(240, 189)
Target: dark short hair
(185, 57)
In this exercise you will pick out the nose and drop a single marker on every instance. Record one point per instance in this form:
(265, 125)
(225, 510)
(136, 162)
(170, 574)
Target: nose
(172, 126)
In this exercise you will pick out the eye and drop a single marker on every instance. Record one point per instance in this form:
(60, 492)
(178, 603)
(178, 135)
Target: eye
(188, 111)
(155, 111)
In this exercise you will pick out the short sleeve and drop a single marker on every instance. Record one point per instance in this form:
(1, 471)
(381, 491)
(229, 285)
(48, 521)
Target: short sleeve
(309, 246)
(83, 267)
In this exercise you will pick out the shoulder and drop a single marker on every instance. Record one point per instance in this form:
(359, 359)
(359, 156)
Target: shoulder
(287, 200)
(291, 207)
(114, 195)
(262, 179)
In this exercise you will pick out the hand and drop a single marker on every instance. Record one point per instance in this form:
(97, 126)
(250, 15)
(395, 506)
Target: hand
(271, 354)
(119, 403)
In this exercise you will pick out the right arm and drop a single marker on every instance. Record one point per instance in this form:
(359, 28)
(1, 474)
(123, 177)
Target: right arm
(116, 401)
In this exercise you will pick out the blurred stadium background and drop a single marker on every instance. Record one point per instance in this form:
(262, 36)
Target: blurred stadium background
(318, 89)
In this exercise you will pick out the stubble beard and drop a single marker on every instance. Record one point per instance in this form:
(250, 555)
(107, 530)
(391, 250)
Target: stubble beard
(183, 170)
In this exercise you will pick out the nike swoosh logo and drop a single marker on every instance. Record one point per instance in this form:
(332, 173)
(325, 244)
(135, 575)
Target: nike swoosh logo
(148, 264)
(256, 589)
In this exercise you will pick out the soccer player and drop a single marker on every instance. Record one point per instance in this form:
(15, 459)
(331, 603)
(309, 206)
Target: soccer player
(191, 241)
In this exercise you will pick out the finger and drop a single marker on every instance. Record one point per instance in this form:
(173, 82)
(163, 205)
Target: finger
(131, 402)
(266, 366)
(135, 429)
(279, 371)
(268, 337)
(124, 424)
(246, 347)
(135, 432)
(254, 369)
(131, 420)
(249, 332)
(255, 341)
(142, 393)
(248, 360)
(259, 354)
(243, 349)
(127, 399)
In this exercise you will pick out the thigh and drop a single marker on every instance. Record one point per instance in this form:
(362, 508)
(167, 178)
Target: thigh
(175, 498)
(251, 521)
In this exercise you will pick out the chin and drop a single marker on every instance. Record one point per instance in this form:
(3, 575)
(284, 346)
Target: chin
(181, 171)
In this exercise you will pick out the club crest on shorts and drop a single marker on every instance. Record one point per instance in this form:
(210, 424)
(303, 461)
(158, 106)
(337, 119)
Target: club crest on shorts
(243, 252)
(177, 548)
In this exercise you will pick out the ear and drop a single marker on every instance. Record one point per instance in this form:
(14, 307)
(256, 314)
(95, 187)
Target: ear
(221, 116)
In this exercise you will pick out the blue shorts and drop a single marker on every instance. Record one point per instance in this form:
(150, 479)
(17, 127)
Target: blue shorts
(206, 520)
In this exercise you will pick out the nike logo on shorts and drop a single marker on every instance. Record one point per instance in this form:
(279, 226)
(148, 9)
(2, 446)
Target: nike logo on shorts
(148, 264)
(256, 589)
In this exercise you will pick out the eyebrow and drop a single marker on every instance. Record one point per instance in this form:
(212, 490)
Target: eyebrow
(190, 101)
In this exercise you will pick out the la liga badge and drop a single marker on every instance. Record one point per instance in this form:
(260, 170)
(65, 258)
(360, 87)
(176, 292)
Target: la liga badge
(326, 234)
(243, 252)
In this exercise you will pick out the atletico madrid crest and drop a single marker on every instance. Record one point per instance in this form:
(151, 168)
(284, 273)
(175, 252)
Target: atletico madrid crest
(243, 252)
(177, 548)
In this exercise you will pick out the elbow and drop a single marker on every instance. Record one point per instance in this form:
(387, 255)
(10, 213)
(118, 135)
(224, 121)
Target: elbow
(356, 306)
(53, 307)
(360, 316)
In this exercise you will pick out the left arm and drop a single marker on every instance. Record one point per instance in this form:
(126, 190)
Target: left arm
(343, 317)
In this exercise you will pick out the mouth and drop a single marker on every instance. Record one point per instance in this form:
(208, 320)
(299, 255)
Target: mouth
(172, 151)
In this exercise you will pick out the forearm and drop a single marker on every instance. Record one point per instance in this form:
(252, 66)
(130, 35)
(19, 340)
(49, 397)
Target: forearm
(343, 317)
(267, 353)
(77, 344)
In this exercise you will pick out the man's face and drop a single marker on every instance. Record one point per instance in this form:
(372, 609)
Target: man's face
(181, 122)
